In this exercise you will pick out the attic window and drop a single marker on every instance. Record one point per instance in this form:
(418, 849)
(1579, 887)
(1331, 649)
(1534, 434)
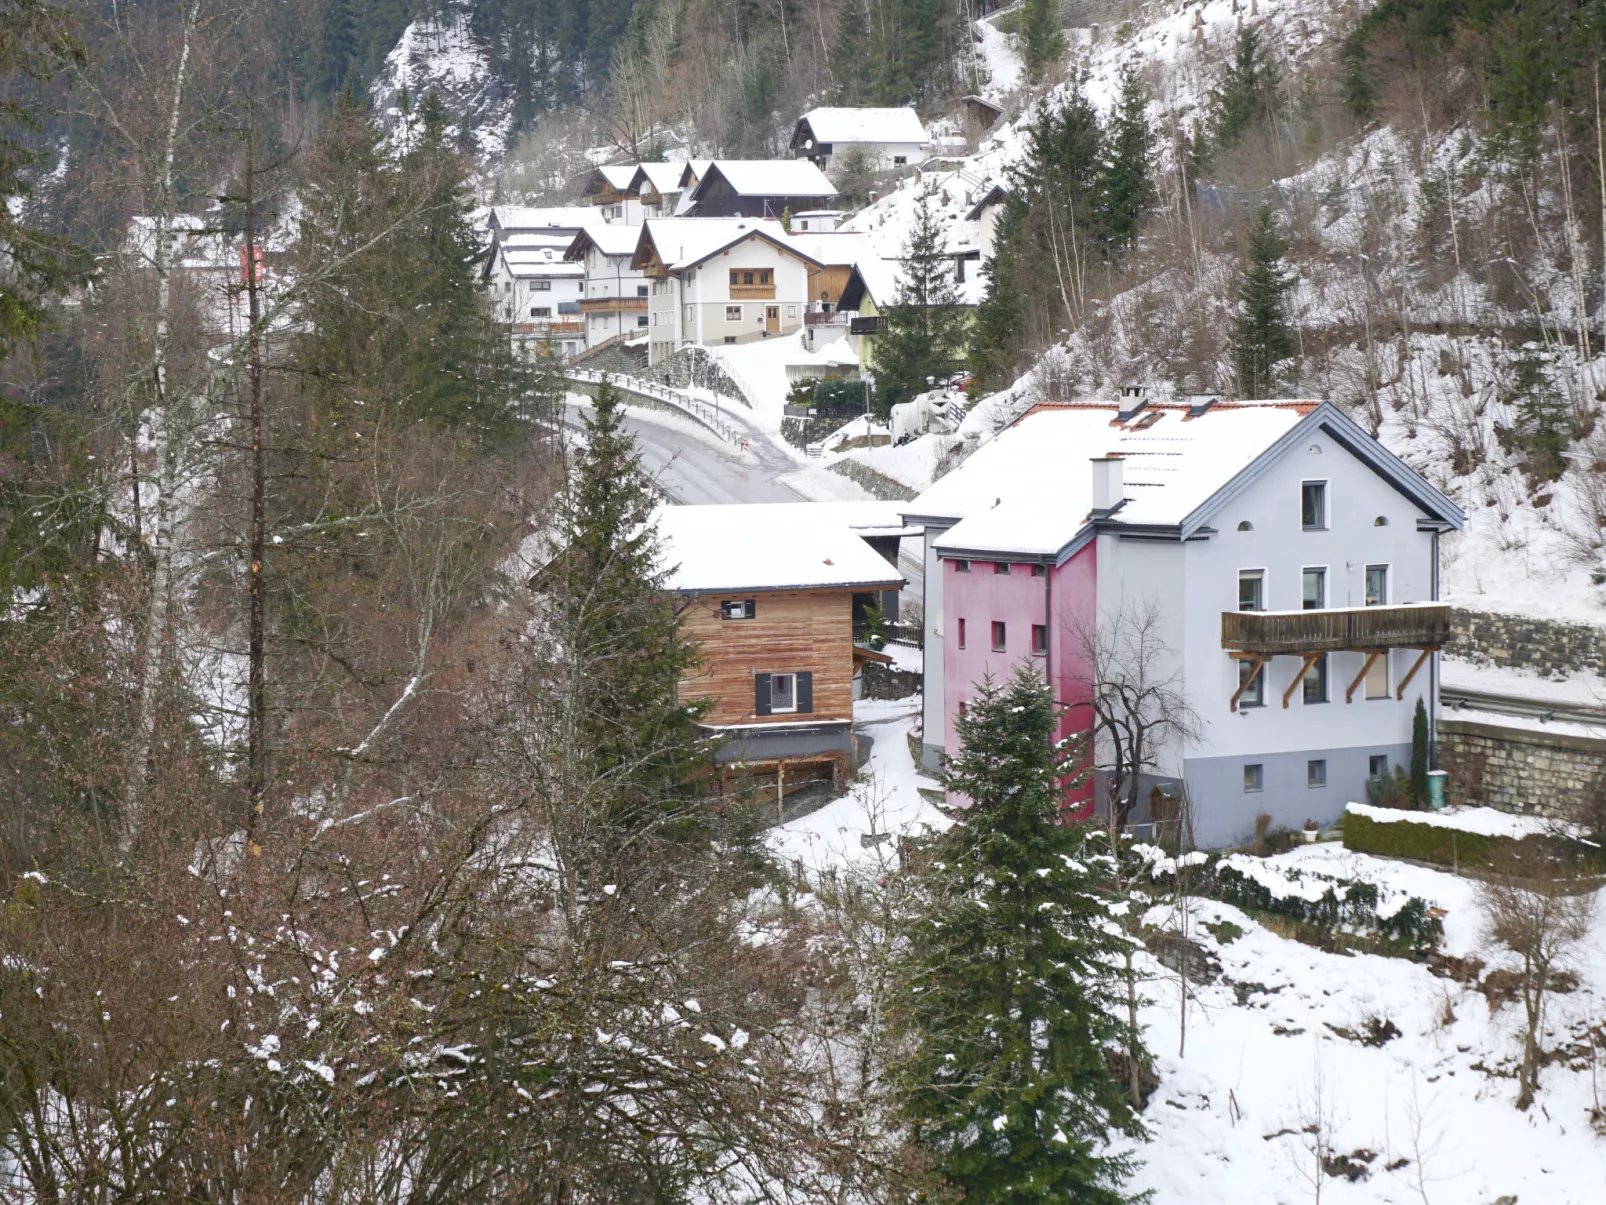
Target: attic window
(1148, 420)
(1246, 525)
(1381, 521)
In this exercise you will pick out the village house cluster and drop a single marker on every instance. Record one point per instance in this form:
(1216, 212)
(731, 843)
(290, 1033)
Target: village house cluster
(708, 252)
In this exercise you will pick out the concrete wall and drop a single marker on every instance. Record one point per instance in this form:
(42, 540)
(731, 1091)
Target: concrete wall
(979, 598)
(932, 705)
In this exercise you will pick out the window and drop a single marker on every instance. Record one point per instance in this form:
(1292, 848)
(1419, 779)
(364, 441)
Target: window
(1039, 570)
(1377, 678)
(1251, 589)
(1315, 681)
(540, 311)
(641, 290)
(900, 160)
(1377, 766)
(961, 633)
(641, 320)
(730, 338)
(962, 706)
(1001, 567)
(1254, 777)
(998, 636)
(568, 307)
(1381, 521)
(733, 313)
(1246, 525)
(783, 692)
(1314, 593)
(1254, 692)
(961, 566)
(1313, 505)
(1377, 585)
(791, 311)
(765, 278)
(1039, 638)
(736, 277)
(541, 286)
(1316, 773)
(739, 608)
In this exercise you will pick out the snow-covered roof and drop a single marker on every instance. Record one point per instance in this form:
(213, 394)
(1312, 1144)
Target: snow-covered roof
(664, 177)
(774, 546)
(522, 240)
(769, 178)
(541, 263)
(879, 278)
(684, 243)
(614, 239)
(838, 126)
(832, 247)
(511, 218)
(1029, 492)
(616, 176)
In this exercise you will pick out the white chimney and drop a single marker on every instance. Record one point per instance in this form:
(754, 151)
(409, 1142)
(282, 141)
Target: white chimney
(1108, 482)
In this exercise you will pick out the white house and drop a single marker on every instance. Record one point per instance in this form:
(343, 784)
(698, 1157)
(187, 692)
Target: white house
(720, 280)
(537, 292)
(1288, 560)
(608, 190)
(886, 138)
(614, 299)
(657, 188)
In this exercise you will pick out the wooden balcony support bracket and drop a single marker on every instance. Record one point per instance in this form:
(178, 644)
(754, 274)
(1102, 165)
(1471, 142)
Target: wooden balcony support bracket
(1366, 667)
(1260, 668)
(1310, 660)
(1424, 654)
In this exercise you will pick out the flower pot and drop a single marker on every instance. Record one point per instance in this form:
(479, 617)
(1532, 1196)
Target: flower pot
(1311, 834)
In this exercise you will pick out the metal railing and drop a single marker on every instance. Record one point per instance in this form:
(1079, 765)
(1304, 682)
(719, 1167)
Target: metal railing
(694, 408)
(1419, 625)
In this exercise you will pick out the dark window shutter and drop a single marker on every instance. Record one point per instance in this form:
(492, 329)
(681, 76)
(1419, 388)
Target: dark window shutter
(761, 694)
(805, 692)
(750, 608)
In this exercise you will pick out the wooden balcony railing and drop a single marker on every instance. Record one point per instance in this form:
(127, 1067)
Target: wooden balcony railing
(612, 305)
(1358, 629)
(824, 318)
(864, 326)
(550, 326)
(752, 292)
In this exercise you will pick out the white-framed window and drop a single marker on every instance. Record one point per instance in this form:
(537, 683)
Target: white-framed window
(733, 313)
(1377, 585)
(1313, 588)
(1251, 589)
(1254, 689)
(1377, 678)
(783, 693)
(1315, 681)
(540, 311)
(791, 311)
(739, 608)
(1313, 505)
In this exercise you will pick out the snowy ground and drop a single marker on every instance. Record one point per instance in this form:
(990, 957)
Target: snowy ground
(1228, 1118)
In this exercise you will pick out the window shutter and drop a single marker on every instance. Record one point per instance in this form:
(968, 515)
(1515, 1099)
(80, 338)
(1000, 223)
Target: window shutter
(805, 692)
(761, 694)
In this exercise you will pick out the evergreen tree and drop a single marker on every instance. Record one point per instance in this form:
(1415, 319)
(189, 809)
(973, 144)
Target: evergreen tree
(910, 44)
(611, 615)
(1419, 754)
(1261, 336)
(1128, 184)
(1010, 987)
(923, 331)
(1040, 31)
(1247, 95)
(850, 55)
(995, 335)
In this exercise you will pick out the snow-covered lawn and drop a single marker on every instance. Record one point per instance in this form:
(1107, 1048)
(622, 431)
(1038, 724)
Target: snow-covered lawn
(1229, 1118)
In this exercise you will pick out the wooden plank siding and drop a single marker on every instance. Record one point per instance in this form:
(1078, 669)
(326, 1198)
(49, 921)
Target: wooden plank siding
(792, 631)
(826, 284)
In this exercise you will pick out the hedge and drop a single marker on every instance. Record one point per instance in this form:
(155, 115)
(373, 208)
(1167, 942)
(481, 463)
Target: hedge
(1443, 846)
(1346, 906)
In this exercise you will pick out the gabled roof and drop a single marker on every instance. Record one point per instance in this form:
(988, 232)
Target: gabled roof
(682, 243)
(614, 240)
(993, 196)
(510, 219)
(874, 277)
(771, 546)
(1026, 493)
(540, 263)
(664, 177)
(767, 178)
(609, 177)
(833, 248)
(839, 126)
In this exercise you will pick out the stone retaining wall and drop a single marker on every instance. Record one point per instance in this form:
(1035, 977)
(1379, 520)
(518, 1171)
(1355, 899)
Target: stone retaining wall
(1518, 769)
(878, 485)
(1523, 642)
(693, 366)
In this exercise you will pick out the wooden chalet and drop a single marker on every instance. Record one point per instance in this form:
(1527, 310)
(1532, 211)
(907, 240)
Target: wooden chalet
(759, 188)
(770, 593)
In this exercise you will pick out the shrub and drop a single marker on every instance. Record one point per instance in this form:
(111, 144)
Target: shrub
(1334, 905)
(1445, 846)
(1389, 790)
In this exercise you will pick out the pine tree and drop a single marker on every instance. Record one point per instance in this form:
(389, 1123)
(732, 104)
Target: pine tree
(1261, 336)
(1127, 190)
(923, 331)
(1040, 31)
(850, 55)
(610, 614)
(1010, 988)
(995, 335)
(1419, 754)
(1246, 95)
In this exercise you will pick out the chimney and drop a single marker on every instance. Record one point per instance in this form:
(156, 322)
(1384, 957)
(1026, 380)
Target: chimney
(1108, 484)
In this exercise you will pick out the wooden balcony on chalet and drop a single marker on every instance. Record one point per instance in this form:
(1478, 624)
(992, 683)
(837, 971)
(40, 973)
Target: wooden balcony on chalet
(612, 305)
(550, 326)
(752, 292)
(1353, 629)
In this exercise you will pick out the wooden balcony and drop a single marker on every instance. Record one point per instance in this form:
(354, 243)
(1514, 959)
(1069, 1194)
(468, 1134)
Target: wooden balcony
(1357, 629)
(550, 326)
(824, 318)
(752, 292)
(612, 305)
